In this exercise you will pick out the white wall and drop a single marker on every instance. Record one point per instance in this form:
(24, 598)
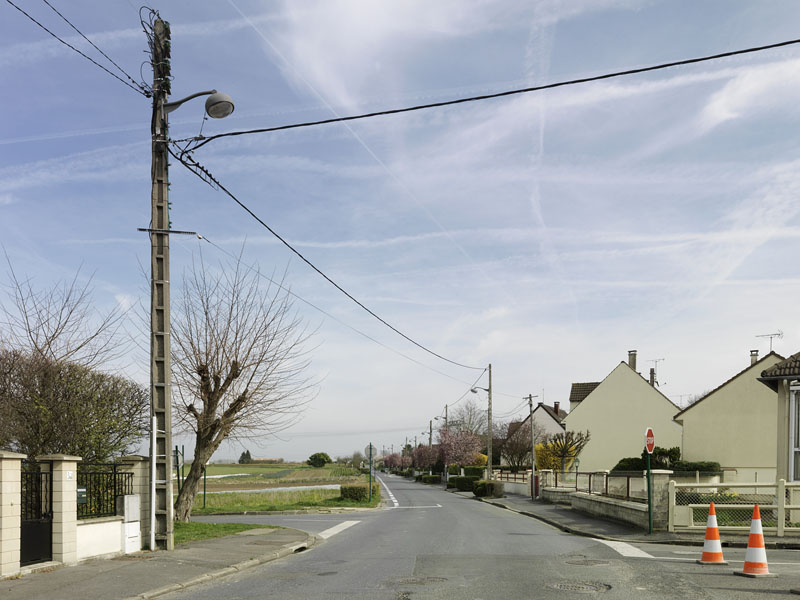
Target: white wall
(100, 537)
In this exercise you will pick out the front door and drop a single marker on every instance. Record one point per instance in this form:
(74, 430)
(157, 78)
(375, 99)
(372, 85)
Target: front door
(36, 535)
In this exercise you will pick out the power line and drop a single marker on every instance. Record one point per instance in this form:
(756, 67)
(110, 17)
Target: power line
(330, 316)
(206, 176)
(688, 61)
(144, 91)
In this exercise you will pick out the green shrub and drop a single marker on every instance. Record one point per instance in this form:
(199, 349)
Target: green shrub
(431, 479)
(473, 472)
(318, 460)
(706, 466)
(454, 470)
(484, 488)
(450, 483)
(418, 477)
(465, 483)
(359, 492)
(633, 463)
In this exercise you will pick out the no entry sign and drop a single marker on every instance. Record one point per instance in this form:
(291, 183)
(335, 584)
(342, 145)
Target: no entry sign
(649, 440)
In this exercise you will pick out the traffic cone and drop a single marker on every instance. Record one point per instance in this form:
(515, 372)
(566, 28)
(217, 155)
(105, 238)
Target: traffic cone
(712, 547)
(755, 559)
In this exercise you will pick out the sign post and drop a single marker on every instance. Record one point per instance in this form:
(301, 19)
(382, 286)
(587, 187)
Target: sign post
(368, 452)
(649, 446)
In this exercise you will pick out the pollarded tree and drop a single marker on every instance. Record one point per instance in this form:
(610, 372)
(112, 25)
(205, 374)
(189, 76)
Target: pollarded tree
(566, 446)
(239, 362)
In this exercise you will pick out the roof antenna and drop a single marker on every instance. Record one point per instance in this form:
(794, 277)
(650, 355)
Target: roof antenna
(655, 362)
(778, 335)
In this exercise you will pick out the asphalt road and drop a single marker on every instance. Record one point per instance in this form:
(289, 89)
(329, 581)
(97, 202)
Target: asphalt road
(434, 544)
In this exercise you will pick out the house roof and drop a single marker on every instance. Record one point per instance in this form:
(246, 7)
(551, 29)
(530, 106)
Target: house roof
(557, 416)
(788, 368)
(579, 391)
(722, 385)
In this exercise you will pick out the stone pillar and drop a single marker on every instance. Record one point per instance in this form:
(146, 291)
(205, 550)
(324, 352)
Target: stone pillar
(660, 498)
(140, 467)
(65, 506)
(10, 511)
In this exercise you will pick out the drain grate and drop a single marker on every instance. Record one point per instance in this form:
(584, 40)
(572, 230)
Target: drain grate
(580, 586)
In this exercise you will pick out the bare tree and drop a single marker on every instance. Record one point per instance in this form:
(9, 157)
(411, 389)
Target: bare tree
(239, 362)
(516, 446)
(59, 324)
(469, 416)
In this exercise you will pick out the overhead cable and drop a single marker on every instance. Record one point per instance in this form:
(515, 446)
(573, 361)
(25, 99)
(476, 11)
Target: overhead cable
(202, 141)
(137, 88)
(206, 176)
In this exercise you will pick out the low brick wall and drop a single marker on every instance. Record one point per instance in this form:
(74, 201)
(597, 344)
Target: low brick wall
(558, 495)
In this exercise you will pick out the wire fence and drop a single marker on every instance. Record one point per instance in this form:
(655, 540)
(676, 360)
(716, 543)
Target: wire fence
(779, 505)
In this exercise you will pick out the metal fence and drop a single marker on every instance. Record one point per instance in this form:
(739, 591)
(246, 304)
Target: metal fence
(102, 484)
(779, 505)
(520, 477)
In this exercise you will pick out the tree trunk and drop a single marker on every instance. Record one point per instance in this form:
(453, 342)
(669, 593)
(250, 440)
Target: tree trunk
(185, 501)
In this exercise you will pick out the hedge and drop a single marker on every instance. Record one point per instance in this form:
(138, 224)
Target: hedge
(465, 483)
(431, 479)
(473, 472)
(454, 470)
(484, 488)
(359, 492)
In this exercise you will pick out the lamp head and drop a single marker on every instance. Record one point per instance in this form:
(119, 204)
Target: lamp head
(219, 105)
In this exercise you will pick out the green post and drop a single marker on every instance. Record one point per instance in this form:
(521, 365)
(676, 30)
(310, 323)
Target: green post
(183, 463)
(370, 472)
(204, 486)
(649, 497)
(177, 470)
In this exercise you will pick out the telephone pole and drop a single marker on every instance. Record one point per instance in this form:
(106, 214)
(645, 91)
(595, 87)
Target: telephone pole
(533, 449)
(491, 430)
(160, 366)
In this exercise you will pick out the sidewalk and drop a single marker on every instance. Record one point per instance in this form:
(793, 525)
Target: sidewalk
(572, 521)
(152, 574)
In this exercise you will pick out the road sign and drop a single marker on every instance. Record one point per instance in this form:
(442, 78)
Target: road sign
(369, 451)
(649, 440)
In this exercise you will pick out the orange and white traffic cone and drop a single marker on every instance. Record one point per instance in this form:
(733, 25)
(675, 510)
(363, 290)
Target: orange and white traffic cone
(755, 559)
(712, 547)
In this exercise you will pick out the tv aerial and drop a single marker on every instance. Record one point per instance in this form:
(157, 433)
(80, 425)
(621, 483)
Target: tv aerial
(778, 335)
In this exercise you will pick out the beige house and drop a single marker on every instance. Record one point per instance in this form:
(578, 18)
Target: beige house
(784, 378)
(734, 424)
(616, 414)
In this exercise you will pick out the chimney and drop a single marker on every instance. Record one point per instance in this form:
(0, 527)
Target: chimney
(556, 405)
(653, 376)
(753, 357)
(540, 403)
(632, 359)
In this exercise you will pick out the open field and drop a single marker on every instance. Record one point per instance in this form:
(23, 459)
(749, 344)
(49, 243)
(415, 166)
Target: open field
(274, 501)
(188, 532)
(262, 476)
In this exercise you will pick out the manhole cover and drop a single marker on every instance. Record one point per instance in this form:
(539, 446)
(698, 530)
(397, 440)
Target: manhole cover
(580, 586)
(587, 562)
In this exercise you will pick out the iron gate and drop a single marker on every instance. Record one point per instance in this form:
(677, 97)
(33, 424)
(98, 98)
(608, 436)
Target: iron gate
(36, 535)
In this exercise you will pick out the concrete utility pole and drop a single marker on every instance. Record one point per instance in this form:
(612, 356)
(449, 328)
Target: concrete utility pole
(430, 433)
(533, 448)
(491, 429)
(160, 366)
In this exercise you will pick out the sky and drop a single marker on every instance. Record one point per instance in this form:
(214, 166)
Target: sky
(545, 233)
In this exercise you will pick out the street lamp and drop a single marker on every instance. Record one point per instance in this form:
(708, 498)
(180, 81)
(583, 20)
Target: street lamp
(490, 433)
(217, 106)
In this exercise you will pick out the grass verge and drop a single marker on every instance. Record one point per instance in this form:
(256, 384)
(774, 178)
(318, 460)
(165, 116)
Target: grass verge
(193, 531)
(275, 501)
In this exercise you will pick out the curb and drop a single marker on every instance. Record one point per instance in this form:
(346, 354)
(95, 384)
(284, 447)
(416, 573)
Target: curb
(677, 542)
(311, 540)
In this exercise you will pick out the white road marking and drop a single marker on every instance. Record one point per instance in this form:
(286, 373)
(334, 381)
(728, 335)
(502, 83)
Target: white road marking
(435, 506)
(389, 492)
(626, 549)
(337, 529)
